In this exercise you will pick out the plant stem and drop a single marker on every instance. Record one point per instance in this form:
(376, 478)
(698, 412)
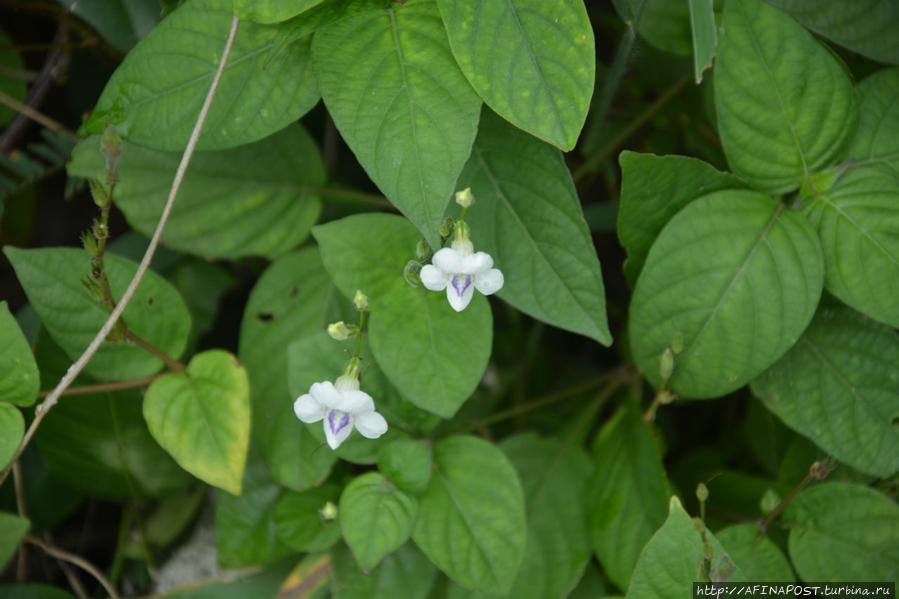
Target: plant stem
(33, 114)
(172, 364)
(73, 371)
(817, 471)
(76, 560)
(103, 387)
(21, 564)
(604, 152)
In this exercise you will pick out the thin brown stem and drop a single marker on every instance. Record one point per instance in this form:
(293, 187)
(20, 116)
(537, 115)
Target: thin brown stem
(41, 411)
(817, 471)
(604, 152)
(104, 387)
(170, 362)
(21, 563)
(75, 560)
(33, 114)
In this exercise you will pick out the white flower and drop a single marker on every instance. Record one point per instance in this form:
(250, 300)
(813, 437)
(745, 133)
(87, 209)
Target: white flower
(341, 406)
(460, 271)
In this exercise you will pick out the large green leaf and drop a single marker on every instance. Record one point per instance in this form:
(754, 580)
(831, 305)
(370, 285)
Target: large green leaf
(202, 418)
(738, 277)
(12, 429)
(785, 103)
(99, 444)
(554, 475)
(52, 280)
(292, 298)
(249, 583)
(471, 521)
(245, 528)
(376, 518)
(271, 11)
(655, 188)
(705, 36)
(257, 199)
(33, 591)
(433, 355)
(155, 95)
(877, 135)
(857, 219)
(675, 557)
(839, 386)
(19, 380)
(395, 93)
(408, 463)
(528, 217)
(665, 24)
(864, 26)
(758, 557)
(121, 22)
(405, 574)
(533, 62)
(300, 522)
(629, 492)
(12, 529)
(843, 531)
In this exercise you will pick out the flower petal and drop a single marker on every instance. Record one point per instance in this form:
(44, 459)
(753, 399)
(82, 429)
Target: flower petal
(338, 426)
(356, 401)
(325, 394)
(489, 282)
(448, 260)
(370, 424)
(459, 292)
(433, 278)
(308, 409)
(476, 263)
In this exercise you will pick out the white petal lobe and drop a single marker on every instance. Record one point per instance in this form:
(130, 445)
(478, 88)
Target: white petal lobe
(433, 278)
(489, 282)
(371, 424)
(308, 410)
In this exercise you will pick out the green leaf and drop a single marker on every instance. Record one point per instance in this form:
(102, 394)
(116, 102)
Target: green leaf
(202, 418)
(864, 26)
(785, 103)
(705, 38)
(33, 591)
(654, 189)
(292, 298)
(471, 520)
(759, 558)
(19, 379)
(253, 582)
(299, 520)
(839, 386)
(257, 199)
(856, 220)
(121, 22)
(433, 355)
(738, 277)
(271, 11)
(554, 476)
(155, 95)
(376, 518)
(11, 86)
(629, 492)
(12, 429)
(665, 24)
(379, 74)
(99, 443)
(674, 558)
(52, 281)
(245, 529)
(532, 62)
(528, 217)
(877, 135)
(405, 574)
(407, 463)
(12, 529)
(843, 531)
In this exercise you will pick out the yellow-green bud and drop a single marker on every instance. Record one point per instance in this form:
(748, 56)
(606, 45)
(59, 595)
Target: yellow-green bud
(770, 500)
(339, 331)
(465, 198)
(665, 397)
(360, 300)
(702, 492)
(666, 364)
(446, 227)
(677, 344)
(328, 511)
(422, 249)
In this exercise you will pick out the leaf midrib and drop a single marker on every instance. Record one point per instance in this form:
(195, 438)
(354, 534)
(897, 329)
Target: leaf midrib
(833, 205)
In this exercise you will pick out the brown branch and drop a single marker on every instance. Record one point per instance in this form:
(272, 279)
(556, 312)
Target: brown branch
(104, 387)
(33, 114)
(817, 471)
(170, 362)
(73, 559)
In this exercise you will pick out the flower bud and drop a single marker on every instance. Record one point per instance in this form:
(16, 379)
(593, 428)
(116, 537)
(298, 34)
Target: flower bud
(111, 147)
(677, 344)
(90, 244)
(770, 500)
(360, 300)
(422, 249)
(702, 492)
(666, 364)
(339, 331)
(328, 512)
(465, 198)
(101, 198)
(412, 273)
(446, 227)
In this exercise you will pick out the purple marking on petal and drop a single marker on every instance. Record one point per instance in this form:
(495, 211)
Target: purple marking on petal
(465, 286)
(345, 420)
